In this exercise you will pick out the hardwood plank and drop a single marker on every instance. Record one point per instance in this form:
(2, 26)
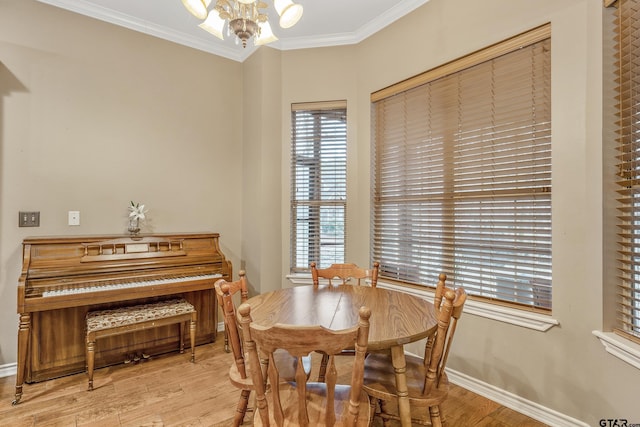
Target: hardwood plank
(168, 390)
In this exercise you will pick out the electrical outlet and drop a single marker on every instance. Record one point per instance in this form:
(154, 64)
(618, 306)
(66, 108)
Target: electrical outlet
(28, 219)
(74, 217)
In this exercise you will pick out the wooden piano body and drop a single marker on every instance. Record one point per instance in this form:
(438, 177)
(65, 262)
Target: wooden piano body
(64, 277)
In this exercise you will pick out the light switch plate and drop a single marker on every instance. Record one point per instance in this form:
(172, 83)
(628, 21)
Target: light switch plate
(28, 219)
(74, 217)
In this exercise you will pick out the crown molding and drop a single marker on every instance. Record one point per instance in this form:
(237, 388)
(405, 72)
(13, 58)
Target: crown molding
(370, 28)
(149, 28)
(216, 47)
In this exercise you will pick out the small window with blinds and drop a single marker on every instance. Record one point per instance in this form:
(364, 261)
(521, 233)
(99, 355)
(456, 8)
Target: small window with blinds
(318, 184)
(462, 174)
(628, 142)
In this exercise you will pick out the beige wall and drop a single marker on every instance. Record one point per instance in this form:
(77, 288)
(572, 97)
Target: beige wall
(263, 142)
(326, 74)
(93, 116)
(565, 369)
(84, 104)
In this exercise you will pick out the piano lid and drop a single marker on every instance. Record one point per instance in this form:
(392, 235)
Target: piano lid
(70, 256)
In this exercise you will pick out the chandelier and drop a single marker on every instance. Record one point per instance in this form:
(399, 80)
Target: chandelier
(245, 19)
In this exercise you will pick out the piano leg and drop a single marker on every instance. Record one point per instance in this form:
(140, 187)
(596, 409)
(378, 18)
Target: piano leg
(24, 330)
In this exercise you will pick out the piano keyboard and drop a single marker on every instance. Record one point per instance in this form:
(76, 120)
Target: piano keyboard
(126, 285)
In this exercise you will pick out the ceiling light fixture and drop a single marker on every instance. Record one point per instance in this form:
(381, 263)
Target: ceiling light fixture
(245, 19)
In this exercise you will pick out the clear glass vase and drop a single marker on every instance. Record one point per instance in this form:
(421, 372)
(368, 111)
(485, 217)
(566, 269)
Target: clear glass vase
(134, 226)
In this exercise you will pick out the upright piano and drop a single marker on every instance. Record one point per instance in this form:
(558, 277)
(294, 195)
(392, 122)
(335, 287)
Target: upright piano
(63, 278)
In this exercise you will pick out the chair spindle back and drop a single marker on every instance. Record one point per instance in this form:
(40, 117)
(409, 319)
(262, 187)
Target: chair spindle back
(288, 400)
(345, 273)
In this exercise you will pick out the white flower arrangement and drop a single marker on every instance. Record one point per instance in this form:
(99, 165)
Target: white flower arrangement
(136, 211)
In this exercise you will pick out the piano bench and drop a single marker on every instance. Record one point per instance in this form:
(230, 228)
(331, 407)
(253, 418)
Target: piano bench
(121, 320)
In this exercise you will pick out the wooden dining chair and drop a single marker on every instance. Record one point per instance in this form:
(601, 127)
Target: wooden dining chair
(427, 381)
(345, 273)
(302, 403)
(342, 274)
(239, 373)
(239, 285)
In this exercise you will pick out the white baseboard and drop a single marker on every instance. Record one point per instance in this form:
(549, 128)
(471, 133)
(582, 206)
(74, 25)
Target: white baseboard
(503, 397)
(8, 370)
(515, 402)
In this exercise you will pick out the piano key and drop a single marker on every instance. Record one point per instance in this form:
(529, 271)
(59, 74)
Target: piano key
(125, 285)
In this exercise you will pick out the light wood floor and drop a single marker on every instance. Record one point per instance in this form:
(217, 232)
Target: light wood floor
(170, 391)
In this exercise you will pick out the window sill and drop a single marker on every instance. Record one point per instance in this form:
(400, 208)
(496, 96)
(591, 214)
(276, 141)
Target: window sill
(300, 279)
(535, 321)
(619, 347)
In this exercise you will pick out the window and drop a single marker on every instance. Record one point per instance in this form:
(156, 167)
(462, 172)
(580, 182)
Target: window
(318, 184)
(462, 174)
(628, 166)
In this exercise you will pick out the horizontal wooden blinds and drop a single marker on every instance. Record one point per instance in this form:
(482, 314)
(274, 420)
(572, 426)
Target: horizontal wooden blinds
(628, 44)
(462, 174)
(318, 183)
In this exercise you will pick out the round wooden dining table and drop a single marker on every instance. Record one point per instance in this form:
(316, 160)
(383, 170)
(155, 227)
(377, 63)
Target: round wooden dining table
(396, 319)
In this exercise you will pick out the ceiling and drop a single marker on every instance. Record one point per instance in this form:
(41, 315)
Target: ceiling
(324, 23)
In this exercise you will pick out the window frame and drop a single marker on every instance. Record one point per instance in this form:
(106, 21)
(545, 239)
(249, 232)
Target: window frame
(319, 200)
(616, 344)
(627, 195)
(513, 44)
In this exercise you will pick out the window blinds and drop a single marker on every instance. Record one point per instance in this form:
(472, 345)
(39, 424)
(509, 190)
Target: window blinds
(628, 44)
(318, 184)
(462, 174)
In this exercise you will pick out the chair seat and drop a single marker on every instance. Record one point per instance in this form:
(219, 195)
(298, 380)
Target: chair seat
(380, 380)
(112, 318)
(286, 366)
(317, 394)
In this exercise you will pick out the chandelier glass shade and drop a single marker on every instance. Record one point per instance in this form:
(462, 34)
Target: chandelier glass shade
(246, 19)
